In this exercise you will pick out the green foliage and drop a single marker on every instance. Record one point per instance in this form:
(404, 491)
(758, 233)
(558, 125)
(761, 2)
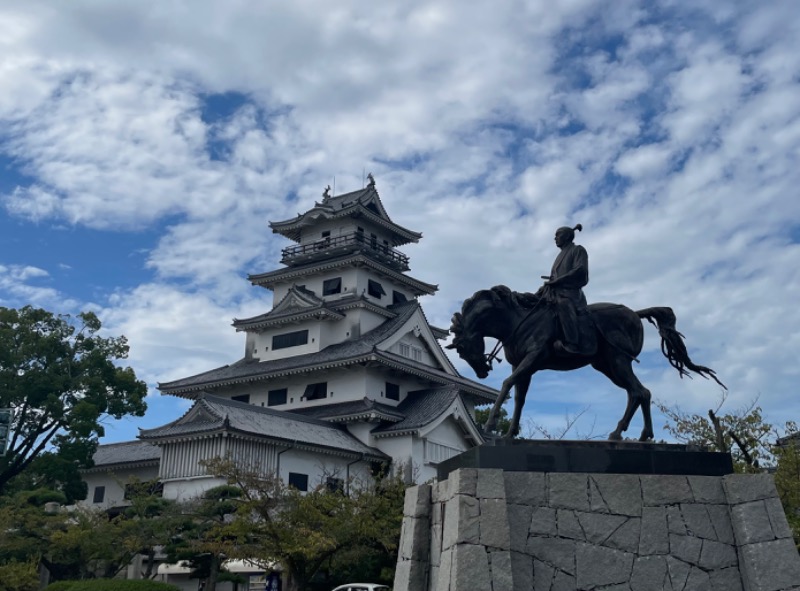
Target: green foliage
(59, 378)
(787, 476)
(754, 445)
(743, 433)
(316, 531)
(111, 585)
(503, 422)
(19, 576)
(202, 537)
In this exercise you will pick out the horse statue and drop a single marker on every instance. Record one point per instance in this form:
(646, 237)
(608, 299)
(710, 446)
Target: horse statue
(527, 327)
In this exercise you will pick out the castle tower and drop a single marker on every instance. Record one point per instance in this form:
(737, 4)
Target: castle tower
(343, 371)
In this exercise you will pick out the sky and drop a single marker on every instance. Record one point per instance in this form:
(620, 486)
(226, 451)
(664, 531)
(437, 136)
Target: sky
(145, 145)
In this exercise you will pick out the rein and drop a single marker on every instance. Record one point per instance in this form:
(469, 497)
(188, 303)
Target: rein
(494, 354)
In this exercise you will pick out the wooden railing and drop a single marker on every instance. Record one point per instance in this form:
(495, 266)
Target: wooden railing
(344, 244)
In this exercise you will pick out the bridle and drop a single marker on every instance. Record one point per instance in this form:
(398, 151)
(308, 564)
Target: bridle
(490, 357)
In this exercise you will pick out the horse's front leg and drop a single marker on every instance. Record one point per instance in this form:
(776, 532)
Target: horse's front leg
(520, 392)
(491, 422)
(521, 378)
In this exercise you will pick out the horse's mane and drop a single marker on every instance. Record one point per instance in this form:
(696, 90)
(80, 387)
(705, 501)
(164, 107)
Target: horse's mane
(498, 295)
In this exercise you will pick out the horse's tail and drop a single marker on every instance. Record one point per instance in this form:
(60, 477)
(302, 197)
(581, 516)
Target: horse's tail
(672, 345)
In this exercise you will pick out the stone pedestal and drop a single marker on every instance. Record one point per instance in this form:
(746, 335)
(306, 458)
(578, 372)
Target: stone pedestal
(493, 530)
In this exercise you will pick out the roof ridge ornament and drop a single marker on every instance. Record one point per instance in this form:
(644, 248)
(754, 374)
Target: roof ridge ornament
(326, 194)
(371, 179)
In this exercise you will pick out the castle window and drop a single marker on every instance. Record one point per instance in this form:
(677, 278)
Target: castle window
(299, 481)
(416, 354)
(326, 234)
(276, 397)
(392, 391)
(332, 286)
(405, 349)
(316, 391)
(334, 484)
(99, 494)
(241, 398)
(398, 297)
(290, 339)
(375, 289)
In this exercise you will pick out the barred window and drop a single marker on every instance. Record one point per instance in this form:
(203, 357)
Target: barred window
(316, 391)
(392, 391)
(276, 397)
(299, 481)
(375, 289)
(332, 286)
(289, 339)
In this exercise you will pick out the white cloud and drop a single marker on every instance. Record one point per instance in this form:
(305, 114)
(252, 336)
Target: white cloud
(674, 141)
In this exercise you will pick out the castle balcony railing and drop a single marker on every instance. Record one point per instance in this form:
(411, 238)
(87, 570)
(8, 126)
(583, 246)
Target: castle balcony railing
(334, 246)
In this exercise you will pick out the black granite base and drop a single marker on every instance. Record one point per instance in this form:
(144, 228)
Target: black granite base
(599, 457)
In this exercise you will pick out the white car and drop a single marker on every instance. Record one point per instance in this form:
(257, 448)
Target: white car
(362, 587)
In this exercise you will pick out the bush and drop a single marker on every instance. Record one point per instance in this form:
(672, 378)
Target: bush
(110, 585)
(19, 576)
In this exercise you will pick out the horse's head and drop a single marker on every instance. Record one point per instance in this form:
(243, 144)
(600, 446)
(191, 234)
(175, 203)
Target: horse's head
(468, 333)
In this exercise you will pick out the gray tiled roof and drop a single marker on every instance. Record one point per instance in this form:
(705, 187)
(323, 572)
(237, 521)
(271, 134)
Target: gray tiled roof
(354, 408)
(218, 414)
(346, 260)
(347, 204)
(328, 309)
(338, 352)
(128, 452)
(420, 408)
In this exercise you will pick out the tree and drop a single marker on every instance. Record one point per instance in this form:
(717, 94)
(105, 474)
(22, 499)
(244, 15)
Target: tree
(58, 377)
(754, 444)
(503, 423)
(787, 476)
(204, 539)
(150, 521)
(308, 531)
(743, 433)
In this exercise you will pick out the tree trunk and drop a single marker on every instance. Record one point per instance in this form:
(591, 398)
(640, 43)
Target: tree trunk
(213, 574)
(148, 573)
(293, 581)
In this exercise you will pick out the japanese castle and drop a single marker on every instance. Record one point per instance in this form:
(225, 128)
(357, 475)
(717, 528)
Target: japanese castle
(342, 375)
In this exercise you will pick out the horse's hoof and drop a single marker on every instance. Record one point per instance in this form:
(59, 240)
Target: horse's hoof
(646, 435)
(615, 436)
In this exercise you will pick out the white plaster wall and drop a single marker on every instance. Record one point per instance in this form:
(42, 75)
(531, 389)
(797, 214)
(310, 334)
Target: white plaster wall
(263, 341)
(343, 385)
(182, 489)
(399, 448)
(115, 482)
(361, 431)
(335, 227)
(320, 466)
(448, 433)
(313, 282)
(418, 343)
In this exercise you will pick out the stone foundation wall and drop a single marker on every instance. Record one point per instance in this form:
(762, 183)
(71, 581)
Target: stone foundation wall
(489, 530)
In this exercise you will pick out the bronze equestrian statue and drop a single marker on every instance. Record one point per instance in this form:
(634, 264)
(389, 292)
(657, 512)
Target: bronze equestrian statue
(555, 329)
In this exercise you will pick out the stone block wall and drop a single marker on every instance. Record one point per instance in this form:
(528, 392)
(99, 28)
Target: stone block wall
(489, 530)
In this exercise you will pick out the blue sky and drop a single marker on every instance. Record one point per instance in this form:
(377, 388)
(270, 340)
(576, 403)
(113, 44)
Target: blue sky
(145, 145)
